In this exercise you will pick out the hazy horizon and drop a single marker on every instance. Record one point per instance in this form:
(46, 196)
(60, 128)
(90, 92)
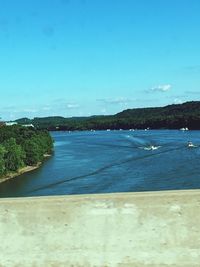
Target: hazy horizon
(87, 57)
(92, 115)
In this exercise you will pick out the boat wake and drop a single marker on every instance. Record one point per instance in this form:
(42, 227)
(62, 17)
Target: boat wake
(93, 173)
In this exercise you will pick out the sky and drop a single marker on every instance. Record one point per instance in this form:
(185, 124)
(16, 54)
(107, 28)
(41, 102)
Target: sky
(97, 57)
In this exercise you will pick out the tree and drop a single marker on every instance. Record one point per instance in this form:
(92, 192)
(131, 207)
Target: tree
(2, 160)
(32, 152)
(14, 156)
(22, 146)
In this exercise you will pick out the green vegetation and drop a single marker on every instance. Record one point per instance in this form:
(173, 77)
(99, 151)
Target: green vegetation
(21, 146)
(169, 117)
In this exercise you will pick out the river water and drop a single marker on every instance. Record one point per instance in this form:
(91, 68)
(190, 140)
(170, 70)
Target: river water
(113, 161)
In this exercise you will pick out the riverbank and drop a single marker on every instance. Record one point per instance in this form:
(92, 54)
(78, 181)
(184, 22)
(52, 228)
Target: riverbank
(22, 170)
(19, 172)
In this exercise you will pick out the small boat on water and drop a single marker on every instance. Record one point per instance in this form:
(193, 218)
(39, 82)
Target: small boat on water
(184, 129)
(191, 145)
(151, 147)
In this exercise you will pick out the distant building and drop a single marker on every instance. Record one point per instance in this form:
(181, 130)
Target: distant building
(10, 123)
(28, 125)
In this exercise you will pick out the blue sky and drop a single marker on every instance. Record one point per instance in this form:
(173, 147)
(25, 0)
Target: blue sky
(85, 57)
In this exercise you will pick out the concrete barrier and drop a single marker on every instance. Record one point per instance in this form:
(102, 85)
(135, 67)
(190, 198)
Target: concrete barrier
(113, 230)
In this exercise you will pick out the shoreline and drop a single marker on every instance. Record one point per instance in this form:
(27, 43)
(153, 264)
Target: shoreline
(19, 172)
(22, 170)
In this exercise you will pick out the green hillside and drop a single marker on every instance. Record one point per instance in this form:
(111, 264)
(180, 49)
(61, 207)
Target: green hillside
(168, 117)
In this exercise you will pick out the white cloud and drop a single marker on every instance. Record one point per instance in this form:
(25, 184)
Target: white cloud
(161, 88)
(72, 105)
(47, 108)
(116, 101)
(178, 101)
(29, 110)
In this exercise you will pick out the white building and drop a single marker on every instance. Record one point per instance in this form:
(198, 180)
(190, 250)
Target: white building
(28, 125)
(11, 123)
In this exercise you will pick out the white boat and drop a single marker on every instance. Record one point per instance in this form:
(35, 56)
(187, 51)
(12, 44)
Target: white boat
(151, 147)
(191, 145)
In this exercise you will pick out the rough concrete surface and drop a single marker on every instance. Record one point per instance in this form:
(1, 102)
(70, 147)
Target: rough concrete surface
(112, 230)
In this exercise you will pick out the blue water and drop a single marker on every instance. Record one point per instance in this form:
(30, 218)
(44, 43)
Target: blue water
(114, 161)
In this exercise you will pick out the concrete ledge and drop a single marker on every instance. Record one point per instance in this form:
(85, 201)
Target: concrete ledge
(112, 230)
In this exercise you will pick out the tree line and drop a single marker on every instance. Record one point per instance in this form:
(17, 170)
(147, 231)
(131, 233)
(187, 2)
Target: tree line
(21, 146)
(168, 117)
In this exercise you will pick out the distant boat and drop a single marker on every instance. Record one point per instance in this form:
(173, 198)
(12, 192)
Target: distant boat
(108, 130)
(184, 129)
(151, 147)
(191, 145)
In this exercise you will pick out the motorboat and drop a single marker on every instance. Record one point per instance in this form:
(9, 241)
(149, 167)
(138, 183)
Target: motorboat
(191, 145)
(151, 147)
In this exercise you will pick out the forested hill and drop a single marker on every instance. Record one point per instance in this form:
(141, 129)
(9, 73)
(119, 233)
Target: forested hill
(187, 109)
(168, 117)
(171, 116)
(21, 147)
